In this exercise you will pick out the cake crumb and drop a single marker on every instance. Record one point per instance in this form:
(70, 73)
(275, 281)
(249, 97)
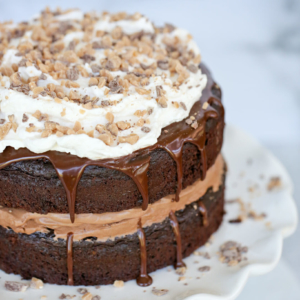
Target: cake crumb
(15, 286)
(36, 283)
(159, 292)
(44, 297)
(97, 297)
(181, 278)
(119, 283)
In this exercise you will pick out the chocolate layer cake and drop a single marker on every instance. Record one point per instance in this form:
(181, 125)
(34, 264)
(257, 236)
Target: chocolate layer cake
(110, 139)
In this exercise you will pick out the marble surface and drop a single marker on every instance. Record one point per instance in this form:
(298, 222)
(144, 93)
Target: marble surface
(253, 49)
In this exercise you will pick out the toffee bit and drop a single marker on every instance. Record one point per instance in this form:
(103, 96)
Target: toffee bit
(15, 286)
(159, 292)
(96, 68)
(88, 58)
(159, 89)
(195, 125)
(237, 220)
(188, 121)
(22, 62)
(145, 129)
(205, 105)
(105, 103)
(82, 291)
(87, 296)
(274, 182)
(180, 271)
(163, 64)
(183, 105)
(119, 283)
(131, 139)
(149, 110)
(72, 73)
(192, 68)
(170, 27)
(114, 86)
(204, 269)
(42, 77)
(162, 102)
(36, 283)
(145, 67)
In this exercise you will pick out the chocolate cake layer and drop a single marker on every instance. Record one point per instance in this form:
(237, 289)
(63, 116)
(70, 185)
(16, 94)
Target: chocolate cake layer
(34, 185)
(38, 255)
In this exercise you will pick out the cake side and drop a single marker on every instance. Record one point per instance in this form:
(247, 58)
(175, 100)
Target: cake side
(40, 256)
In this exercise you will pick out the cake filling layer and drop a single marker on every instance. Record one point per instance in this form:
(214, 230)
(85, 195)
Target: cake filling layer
(110, 225)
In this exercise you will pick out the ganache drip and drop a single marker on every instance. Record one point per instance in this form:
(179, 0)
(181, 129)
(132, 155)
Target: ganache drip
(70, 258)
(174, 223)
(144, 279)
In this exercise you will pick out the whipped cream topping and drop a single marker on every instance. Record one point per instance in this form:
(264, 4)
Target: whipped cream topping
(94, 85)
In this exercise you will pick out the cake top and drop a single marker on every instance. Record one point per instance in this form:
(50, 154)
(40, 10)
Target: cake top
(95, 85)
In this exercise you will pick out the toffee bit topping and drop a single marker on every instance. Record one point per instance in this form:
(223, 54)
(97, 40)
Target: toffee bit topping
(74, 63)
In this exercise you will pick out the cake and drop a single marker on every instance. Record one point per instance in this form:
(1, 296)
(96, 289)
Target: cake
(110, 148)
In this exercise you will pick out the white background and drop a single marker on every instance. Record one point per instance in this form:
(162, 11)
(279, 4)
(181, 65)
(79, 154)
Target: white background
(253, 50)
